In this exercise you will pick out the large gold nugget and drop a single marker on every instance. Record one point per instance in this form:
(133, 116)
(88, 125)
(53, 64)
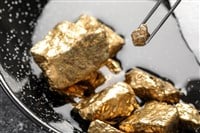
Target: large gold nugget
(69, 53)
(147, 86)
(189, 116)
(154, 117)
(98, 126)
(115, 41)
(113, 102)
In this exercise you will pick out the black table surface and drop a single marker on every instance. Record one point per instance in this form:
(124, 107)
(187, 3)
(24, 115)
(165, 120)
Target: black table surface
(14, 121)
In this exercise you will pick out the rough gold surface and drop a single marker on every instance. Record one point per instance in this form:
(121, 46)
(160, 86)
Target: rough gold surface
(113, 66)
(154, 117)
(140, 35)
(70, 52)
(89, 84)
(115, 101)
(189, 115)
(95, 79)
(114, 40)
(147, 86)
(75, 90)
(98, 126)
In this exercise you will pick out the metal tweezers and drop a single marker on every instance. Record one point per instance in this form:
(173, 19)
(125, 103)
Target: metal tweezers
(162, 21)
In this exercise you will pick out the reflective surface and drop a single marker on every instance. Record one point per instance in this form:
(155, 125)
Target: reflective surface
(167, 55)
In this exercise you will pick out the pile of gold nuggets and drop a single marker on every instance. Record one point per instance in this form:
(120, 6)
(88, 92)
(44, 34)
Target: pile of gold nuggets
(71, 55)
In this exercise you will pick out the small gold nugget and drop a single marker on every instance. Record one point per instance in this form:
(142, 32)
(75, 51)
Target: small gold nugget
(189, 116)
(147, 86)
(154, 117)
(113, 102)
(114, 40)
(98, 126)
(113, 66)
(140, 35)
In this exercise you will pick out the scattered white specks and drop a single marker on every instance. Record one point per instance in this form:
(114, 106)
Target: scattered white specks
(12, 31)
(28, 4)
(10, 15)
(8, 5)
(17, 15)
(24, 21)
(26, 31)
(29, 8)
(5, 1)
(20, 1)
(196, 102)
(26, 13)
(39, 6)
(10, 20)
(20, 126)
(22, 33)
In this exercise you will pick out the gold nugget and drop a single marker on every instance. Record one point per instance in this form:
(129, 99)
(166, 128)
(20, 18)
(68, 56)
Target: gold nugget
(114, 40)
(140, 35)
(113, 102)
(87, 85)
(95, 79)
(113, 66)
(98, 126)
(147, 86)
(189, 116)
(69, 53)
(154, 117)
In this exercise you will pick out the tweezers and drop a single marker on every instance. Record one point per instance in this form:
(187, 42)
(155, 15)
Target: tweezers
(162, 21)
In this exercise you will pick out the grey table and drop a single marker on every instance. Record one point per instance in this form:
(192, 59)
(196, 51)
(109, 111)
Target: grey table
(12, 120)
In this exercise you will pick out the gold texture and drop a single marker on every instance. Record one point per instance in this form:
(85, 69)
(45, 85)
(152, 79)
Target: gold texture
(89, 84)
(154, 117)
(147, 86)
(113, 102)
(98, 126)
(69, 53)
(140, 35)
(72, 51)
(95, 79)
(113, 66)
(189, 115)
(114, 40)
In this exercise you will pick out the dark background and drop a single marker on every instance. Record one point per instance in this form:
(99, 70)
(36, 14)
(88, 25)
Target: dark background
(11, 119)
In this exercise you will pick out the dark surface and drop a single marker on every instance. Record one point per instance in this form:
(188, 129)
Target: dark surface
(12, 120)
(16, 32)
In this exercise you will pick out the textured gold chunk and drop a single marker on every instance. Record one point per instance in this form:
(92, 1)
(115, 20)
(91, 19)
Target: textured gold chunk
(189, 116)
(113, 66)
(95, 79)
(113, 102)
(154, 117)
(87, 85)
(98, 126)
(70, 52)
(147, 86)
(140, 35)
(114, 40)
